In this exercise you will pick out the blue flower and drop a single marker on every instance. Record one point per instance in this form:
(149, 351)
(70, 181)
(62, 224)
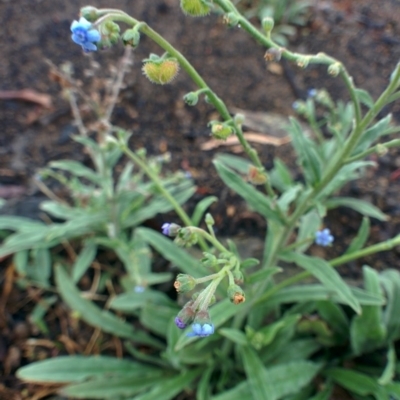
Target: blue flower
(201, 330)
(324, 237)
(84, 35)
(165, 228)
(180, 323)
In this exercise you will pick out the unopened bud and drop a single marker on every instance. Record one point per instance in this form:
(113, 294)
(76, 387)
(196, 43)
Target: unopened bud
(256, 176)
(184, 283)
(185, 316)
(334, 69)
(239, 119)
(236, 294)
(238, 276)
(268, 24)
(381, 150)
(273, 54)
(209, 220)
(131, 37)
(191, 98)
(220, 130)
(231, 19)
(90, 13)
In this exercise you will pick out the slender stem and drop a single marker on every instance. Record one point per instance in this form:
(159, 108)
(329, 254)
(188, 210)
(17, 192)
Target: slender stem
(167, 195)
(212, 239)
(375, 149)
(199, 81)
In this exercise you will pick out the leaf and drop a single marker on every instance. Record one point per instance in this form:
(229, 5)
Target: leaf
(156, 317)
(113, 387)
(299, 349)
(201, 208)
(359, 241)
(260, 388)
(280, 176)
(289, 196)
(390, 369)
(324, 394)
(255, 199)
(92, 314)
(168, 388)
(309, 224)
(335, 317)
(204, 386)
(78, 169)
(83, 261)
(130, 301)
(263, 275)
(358, 205)
(239, 164)
(391, 282)
(367, 331)
(64, 369)
(19, 224)
(234, 335)
(328, 276)
(173, 253)
(356, 382)
(364, 97)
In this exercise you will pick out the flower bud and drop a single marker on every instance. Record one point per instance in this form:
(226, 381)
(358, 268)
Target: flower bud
(161, 71)
(381, 150)
(184, 283)
(239, 119)
(191, 98)
(90, 13)
(334, 69)
(256, 176)
(236, 294)
(268, 24)
(220, 130)
(186, 237)
(273, 54)
(171, 230)
(231, 19)
(202, 325)
(195, 8)
(185, 316)
(109, 33)
(209, 219)
(131, 37)
(238, 276)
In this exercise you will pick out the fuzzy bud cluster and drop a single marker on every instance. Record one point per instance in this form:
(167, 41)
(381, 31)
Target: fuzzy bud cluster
(236, 294)
(195, 8)
(160, 70)
(184, 283)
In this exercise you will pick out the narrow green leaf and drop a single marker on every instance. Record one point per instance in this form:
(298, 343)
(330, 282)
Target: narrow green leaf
(89, 312)
(64, 369)
(78, 169)
(239, 164)
(176, 255)
(328, 276)
(255, 199)
(260, 388)
(391, 281)
(234, 335)
(362, 235)
(83, 261)
(335, 317)
(361, 206)
(280, 176)
(299, 349)
(156, 317)
(201, 208)
(324, 394)
(168, 388)
(309, 224)
(263, 275)
(367, 331)
(364, 97)
(130, 301)
(390, 369)
(204, 386)
(289, 196)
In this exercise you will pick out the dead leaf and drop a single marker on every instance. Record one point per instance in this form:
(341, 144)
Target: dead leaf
(27, 95)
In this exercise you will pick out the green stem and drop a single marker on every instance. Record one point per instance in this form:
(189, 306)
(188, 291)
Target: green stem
(375, 149)
(199, 81)
(212, 239)
(167, 195)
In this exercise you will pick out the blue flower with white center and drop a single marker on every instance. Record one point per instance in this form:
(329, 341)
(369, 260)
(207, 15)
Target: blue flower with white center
(201, 330)
(84, 35)
(324, 237)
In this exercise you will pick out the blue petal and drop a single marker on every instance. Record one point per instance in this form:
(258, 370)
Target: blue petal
(74, 25)
(197, 329)
(191, 334)
(88, 47)
(77, 39)
(208, 329)
(93, 36)
(84, 23)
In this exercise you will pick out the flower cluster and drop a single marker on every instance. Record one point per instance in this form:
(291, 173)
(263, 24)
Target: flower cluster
(84, 35)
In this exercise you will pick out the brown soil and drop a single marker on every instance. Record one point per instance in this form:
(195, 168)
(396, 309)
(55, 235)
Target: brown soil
(363, 34)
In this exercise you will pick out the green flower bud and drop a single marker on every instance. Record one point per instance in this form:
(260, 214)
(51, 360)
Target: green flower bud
(220, 130)
(238, 276)
(195, 8)
(268, 24)
(191, 98)
(186, 315)
(90, 13)
(231, 19)
(186, 237)
(184, 283)
(236, 294)
(334, 69)
(239, 119)
(209, 219)
(381, 150)
(209, 260)
(110, 33)
(131, 37)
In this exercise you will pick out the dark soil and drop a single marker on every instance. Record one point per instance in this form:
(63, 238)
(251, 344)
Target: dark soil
(363, 34)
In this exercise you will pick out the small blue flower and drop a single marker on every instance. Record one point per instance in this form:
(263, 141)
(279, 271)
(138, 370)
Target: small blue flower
(84, 35)
(311, 93)
(324, 237)
(180, 323)
(139, 289)
(201, 330)
(166, 228)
